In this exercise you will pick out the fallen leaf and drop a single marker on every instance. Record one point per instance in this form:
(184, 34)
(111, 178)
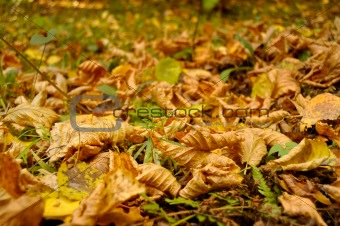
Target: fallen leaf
(253, 148)
(118, 186)
(309, 154)
(30, 115)
(168, 70)
(203, 139)
(158, 177)
(209, 178)
(79, 180)
(65, 140)
(333, 190)
(322, 107)
(298, 206)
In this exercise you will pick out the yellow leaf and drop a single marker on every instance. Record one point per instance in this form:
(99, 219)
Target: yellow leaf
(77, 182)
(121, 69)
(53, 59)
(309, 154)
(58, 207)
(262, 86)
(34, 54)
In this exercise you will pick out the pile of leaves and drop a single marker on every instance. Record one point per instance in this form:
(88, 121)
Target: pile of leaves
(229, 128)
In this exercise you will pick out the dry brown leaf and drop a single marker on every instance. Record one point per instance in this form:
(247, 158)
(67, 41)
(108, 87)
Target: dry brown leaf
(265, 121)
(328, 131)
(123, 161)
(272, 137)
(210, 177)
(333, 190)
(16, 212)
(303, 188)
(89, 72)
(158, 177)
(65, 140)
(322, 107)
(298, 206)
(331, 66)
(40, 99)
(18, 198)
(117, 187)
(61, 83)
(253, 147)
(30, 115)
(189, 157)
(309, 154)
(163, 94)
(203, 139)
(284, 83)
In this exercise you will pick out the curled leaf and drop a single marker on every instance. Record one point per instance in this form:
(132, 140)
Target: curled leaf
(272, 137)
(190, 157)
(158, 177)
(309, 154)
(266, 120)
(65, 140)
(204, 140)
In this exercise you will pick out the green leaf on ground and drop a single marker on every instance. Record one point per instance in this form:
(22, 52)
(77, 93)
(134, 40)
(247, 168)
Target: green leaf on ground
(168, 70)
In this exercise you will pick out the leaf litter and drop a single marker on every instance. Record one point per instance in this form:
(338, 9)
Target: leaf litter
(238, 125)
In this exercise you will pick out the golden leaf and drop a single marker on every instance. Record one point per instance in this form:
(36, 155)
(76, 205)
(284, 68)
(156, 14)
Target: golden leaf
(58, 207)
(253, 148)
(118, 186)
(309, 154)
(158, 177)
(30, 115)
(322, 107)
(298, 206)
(262, 86)
(210, 177)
